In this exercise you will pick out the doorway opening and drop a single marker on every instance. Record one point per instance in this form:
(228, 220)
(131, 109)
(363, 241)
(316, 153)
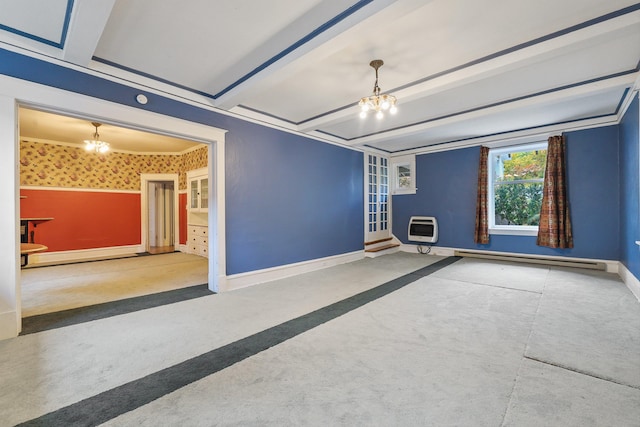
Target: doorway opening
(160, 213)
(161, 216)
(103, 206)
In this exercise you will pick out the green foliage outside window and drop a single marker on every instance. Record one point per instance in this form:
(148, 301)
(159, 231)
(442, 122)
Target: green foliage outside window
(517, 202)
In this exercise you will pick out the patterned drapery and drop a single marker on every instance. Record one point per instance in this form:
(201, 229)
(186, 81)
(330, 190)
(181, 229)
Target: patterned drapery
(554, 230)
(482, 221)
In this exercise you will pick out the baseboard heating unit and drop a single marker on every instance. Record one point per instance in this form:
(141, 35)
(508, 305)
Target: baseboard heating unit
(533, 259)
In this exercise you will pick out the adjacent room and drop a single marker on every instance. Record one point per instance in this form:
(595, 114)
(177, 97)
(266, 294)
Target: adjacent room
(327, 212)
(84, 201)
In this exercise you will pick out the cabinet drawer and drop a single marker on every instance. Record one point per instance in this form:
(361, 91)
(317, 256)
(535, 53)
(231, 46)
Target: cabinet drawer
(199, 240)
(196, 230)
(202, 251)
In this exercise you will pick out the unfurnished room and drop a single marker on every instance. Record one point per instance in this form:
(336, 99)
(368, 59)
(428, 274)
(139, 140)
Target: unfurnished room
(320, 212)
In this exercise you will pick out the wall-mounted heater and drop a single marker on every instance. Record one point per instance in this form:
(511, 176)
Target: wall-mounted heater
(423, 229)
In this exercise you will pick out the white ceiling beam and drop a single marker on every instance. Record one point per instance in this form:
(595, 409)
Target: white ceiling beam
(501, 64)
(566, 94)
(321, 46)
(517, 137)
(88, 21)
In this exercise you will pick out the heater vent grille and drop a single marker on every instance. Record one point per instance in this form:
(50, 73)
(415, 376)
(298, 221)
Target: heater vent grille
(423, 229)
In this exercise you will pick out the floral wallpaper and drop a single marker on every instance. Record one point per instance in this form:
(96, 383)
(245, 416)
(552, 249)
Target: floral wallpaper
(52, 165)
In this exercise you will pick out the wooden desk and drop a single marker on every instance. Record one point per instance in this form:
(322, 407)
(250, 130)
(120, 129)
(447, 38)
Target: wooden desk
(29, 248)
(29, 235)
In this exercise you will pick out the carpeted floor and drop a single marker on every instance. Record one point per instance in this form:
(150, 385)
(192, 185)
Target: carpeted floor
(402, 339)
(64, 287)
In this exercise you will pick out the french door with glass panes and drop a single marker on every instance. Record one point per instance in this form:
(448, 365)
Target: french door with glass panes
(377, 209)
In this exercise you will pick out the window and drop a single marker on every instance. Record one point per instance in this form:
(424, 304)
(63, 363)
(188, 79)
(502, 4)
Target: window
(516, 177)
(404, 174)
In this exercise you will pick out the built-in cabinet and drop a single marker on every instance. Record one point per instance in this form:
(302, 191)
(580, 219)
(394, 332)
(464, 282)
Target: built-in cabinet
(198, 191)
(197, 212)
(198, 240)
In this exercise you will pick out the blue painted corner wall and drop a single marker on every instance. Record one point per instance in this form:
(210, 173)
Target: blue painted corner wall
(447, 181)
(288, 198)
(629, 188)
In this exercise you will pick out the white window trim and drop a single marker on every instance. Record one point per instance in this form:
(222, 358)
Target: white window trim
(394, 163)
(512, 230)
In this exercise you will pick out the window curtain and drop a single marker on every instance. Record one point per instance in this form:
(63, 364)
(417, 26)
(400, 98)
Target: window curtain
(554, 230)
(482, 221)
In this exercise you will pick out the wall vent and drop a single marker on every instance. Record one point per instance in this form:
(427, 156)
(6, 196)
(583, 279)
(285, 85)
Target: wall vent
(423, 229)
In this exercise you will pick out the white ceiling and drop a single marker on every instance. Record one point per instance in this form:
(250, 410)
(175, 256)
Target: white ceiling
(45, 127)
(461, 69)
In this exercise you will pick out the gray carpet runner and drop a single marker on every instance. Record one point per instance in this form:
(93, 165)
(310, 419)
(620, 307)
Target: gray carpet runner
(110, 404)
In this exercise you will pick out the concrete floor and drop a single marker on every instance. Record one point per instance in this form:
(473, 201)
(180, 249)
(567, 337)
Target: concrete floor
(477, 343)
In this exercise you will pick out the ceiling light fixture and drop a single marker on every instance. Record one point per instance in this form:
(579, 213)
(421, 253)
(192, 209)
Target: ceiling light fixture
(377, 102)
(95, 144)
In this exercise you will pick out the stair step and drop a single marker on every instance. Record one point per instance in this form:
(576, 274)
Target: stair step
(382, 248)
(373, 242)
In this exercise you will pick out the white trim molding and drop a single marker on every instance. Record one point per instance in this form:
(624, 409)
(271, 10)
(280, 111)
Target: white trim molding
(145, 179)
(395, 163)
(10, 300)
(60, 257)
(435, 250)
(14, 92)
(82, 189)
(242, 280)
(630, 280)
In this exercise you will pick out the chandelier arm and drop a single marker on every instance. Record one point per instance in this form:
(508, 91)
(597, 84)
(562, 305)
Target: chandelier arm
(377, 102)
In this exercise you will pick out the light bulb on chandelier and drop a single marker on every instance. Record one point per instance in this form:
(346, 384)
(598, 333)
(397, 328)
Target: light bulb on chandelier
(377, 102)
(96, 144)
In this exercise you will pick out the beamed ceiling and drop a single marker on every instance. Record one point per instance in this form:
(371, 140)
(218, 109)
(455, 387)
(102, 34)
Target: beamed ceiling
(462, 70)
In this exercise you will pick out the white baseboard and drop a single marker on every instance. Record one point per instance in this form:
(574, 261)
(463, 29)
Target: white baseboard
(183, 248)
(435, 250)
(242, 280)
(630, 280)
(83, 254)
(8, 321)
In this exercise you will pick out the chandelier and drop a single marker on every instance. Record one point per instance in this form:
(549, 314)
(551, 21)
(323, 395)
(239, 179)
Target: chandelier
(377, 102)
(95, 144)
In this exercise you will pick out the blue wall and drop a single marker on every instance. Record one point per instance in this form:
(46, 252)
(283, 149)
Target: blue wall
(289, 198)
(447, 183)
(629, 191)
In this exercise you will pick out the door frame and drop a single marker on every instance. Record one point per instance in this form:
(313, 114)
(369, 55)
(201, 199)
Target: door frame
(145, 179)
(16, 92)
(378, 234)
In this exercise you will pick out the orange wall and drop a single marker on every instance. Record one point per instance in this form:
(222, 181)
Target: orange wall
(182, 215)
(83, 219)
(94, 219)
